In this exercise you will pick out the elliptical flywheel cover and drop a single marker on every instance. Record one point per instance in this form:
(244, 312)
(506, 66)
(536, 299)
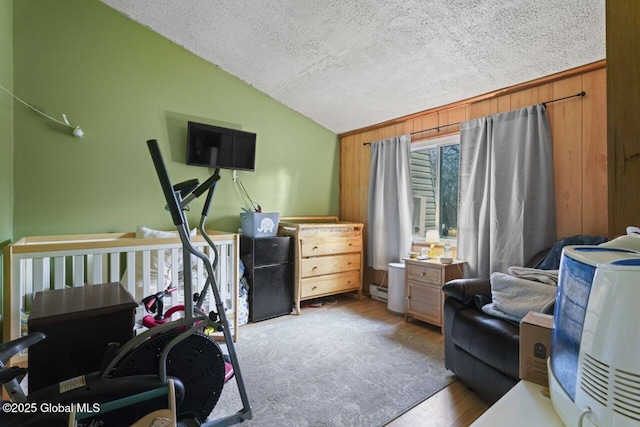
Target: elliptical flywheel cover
(197, 361)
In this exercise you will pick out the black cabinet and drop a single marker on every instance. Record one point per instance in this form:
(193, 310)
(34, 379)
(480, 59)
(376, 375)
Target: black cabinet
(269, 271)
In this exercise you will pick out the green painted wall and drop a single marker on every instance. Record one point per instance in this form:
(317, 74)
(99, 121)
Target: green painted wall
(6, 130)
(124, 84)
(6, 121)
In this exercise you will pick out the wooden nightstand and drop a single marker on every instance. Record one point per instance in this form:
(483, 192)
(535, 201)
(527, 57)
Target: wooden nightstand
(79, 323)
(423, 281)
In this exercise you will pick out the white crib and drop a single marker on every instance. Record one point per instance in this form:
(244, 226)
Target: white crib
(35, 264)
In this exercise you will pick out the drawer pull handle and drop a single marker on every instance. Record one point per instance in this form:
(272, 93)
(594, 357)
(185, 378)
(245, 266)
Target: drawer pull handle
(314, 268)
(314, 288)
(422, 274)
(314, 248)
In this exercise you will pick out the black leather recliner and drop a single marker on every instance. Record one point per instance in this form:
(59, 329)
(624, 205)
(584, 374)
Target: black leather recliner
(483, 350)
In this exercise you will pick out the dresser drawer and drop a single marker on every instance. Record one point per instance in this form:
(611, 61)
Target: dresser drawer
(318, 246)
(310, 267)
(329, 284)
(424, 274)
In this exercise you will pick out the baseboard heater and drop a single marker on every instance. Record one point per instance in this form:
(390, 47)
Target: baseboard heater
(379, 293)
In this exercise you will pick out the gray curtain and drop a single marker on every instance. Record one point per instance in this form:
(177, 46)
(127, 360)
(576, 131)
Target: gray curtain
(390, 209)
(507, 196)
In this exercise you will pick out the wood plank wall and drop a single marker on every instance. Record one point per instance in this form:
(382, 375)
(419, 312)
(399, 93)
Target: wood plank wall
(623, 103)
(579, 132)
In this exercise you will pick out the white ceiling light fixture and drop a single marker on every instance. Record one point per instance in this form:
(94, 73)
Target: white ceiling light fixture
(77, 131)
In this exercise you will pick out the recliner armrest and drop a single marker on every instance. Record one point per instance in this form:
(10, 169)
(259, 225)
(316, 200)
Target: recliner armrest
(464, 290)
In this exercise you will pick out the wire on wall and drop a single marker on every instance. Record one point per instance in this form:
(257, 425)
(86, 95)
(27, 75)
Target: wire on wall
(77, 131)
(247, 199)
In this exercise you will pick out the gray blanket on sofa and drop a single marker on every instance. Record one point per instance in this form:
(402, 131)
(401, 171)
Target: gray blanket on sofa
(523, 290)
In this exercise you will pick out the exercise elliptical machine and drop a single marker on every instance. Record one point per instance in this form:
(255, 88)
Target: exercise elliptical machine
(173, 358)
(203, 391)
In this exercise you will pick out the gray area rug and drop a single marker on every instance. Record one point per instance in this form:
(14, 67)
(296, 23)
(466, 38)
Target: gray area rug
(333, 367)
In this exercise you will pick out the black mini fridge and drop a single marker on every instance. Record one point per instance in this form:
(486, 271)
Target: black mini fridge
(269, 272)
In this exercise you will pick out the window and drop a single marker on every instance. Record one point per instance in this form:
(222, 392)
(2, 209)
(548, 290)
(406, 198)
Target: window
(435, 172)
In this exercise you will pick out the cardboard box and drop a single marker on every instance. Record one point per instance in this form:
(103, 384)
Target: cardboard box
(535, 344)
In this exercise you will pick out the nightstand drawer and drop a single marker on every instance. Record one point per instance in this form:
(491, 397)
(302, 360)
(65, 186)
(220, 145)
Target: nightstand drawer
(310, 267)
(424, 274)
(425, 300)
(329, 284)
(318, 246)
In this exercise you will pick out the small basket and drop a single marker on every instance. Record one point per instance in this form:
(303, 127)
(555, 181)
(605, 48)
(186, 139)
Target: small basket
(256, 224)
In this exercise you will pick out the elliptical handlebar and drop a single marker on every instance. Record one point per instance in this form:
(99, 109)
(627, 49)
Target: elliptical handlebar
(175, 206)
(167, 189)
(207, 184)
(207, 203)
(197, 192)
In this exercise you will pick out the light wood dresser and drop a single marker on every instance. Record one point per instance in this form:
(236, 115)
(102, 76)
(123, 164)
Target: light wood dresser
(328, 256)
(423, 281)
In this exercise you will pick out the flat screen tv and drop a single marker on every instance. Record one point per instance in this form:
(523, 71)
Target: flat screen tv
(218, 147)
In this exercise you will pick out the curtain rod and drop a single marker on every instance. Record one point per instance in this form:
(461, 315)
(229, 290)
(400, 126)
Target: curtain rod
(583, 93)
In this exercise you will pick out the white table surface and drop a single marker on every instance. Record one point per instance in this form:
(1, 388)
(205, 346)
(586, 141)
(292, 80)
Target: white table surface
(524, 405)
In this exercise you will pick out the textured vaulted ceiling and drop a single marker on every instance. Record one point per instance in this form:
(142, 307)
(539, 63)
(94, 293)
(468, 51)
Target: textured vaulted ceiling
(348, 64)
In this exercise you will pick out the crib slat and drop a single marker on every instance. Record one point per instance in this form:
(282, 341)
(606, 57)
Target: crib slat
(104, 271)
(90, 268)
(40, 274)
(95, 268)
(175, 296)
(229, 256)
(131, 272)
(78, 270)
(114, 267)
(17, 300)
(28, 281)
(160, 284)
(146, 272)
(224, 282)
(175, 254)
(59, 270)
